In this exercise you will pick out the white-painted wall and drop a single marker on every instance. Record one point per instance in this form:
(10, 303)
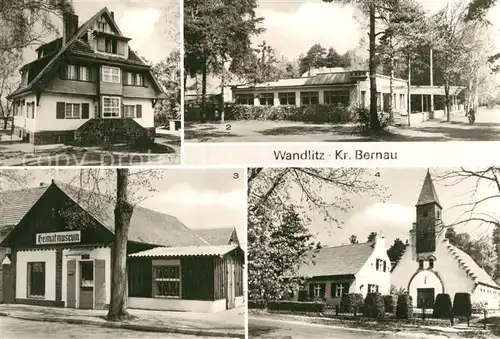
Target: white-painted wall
(46, 118)
(23, 121)
(166, 304)
(487, 294)
(147, 119)
(97, 253)
(22, 259)
(369, 274)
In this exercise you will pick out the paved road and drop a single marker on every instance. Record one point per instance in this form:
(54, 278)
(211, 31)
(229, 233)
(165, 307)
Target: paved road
(11, 328)
(270, 328)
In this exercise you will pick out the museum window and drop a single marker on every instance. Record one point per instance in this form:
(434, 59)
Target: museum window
(431, 263)
(287, 98)
(317, 290)
(266, 99)
(338, 290)
(336, 97)
(36, 279)
(421, 264)
(167, 281)
(244, 99)
(309, 98)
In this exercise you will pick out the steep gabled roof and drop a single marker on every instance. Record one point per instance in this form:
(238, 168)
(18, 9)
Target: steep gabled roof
(470, 267)
(78, 47)
(428, 193)
(216, 236)
(146, 226)
(339, 260)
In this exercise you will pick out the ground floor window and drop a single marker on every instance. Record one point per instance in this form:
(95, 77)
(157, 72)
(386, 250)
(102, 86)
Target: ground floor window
(36, 279)
(244, 99)
(129, 111)
(167, 281)
(72, 111)
(111, 107)
(266, 99)
(287, 98)
(336, 97)
(372, 288)
(317, 290)
(425, 297)
(309, 98)
(402, 100)
(339, 289)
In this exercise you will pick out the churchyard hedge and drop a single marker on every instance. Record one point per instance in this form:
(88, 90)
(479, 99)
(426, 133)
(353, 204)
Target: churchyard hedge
(296, 306)
(352, 303)
(442, 307)
(374, 306)
(390, 303)
(462, 305)
(315, 113)
(404, 308)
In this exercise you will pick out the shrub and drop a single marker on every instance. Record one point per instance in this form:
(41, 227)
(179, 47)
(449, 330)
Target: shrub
(363, 119)
(390, 303)
(374, 306)
(314, 113)
(404, 308)
(442, 306)
(304, 295)
(257, 304)
(479, 307)
(296, 306)
(462, 305)
(352, 302)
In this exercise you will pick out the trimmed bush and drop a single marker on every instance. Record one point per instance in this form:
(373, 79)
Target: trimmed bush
(363, 119)
(404, 308)
(296, 306)
(257, 304)
(304, 295)
(374, 306)
(390, 303)
(462, 305)
(314, 113)
(443, 307)
(352, 302)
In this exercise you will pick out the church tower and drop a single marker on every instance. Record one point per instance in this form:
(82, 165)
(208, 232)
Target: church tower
(428, 217)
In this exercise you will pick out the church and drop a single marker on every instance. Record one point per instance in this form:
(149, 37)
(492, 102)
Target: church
(431, 265)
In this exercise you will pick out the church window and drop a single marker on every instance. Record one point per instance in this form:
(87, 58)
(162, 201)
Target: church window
(431, 263)
(439, 215)
(421, 264)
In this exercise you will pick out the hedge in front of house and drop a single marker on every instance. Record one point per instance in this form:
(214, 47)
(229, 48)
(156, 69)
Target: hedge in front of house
(462, 305)
(352, 303)
(256, 304)
(404, 308)
(314, 113)
(443, 307)
(374, 306)
(296, 306)
(390, 303)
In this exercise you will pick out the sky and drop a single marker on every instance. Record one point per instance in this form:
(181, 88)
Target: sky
(293, 26)
(394, 217)
(200, 198)
(153, 26)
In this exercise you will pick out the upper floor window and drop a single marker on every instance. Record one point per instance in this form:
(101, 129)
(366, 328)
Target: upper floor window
(139, 80)
(372, 288)
(111, 45)
(439, 215)
(133, 79)
(421, 264)
(71, 73)
(111, 74)
(84, 73)
(380, 265)
(431, 263)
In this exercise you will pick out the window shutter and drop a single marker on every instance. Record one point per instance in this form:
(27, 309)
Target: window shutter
(121, 47)
(385, 266)
(60, 110)
(63, 68)
(138, 111)
(311, 291)
(332, 289)
(124, 78)
(123, 111)
(323, 289)
(85, 111)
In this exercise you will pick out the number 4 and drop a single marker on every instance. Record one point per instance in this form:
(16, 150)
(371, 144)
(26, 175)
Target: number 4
(377, 174)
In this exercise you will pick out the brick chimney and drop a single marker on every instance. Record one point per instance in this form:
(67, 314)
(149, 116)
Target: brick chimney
(70, 25)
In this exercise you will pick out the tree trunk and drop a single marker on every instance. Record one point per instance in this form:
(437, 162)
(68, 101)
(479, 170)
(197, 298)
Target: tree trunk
(391, 82)
(447, 100)
(374, 122)
(123, 213)
(432, 80)
(222, 86)
(409, 90)
(203, 91)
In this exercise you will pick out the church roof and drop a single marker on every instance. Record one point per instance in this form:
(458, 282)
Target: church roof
(339, 260)
(471, 267)
(428, 193)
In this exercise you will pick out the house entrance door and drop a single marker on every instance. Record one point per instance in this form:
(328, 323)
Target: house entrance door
(425, 298)
(230, 298)
(86, 284)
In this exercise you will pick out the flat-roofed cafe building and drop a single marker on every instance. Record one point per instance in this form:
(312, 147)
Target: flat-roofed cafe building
(51, 263)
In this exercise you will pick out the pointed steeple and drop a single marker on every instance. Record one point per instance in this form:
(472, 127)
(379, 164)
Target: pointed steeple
(428, 193)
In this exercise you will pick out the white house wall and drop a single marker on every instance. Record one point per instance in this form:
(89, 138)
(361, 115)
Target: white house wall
(147, 119)
(46, 119)
(369, 275)
(23, 121)
(22, 259)
(97, 253)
